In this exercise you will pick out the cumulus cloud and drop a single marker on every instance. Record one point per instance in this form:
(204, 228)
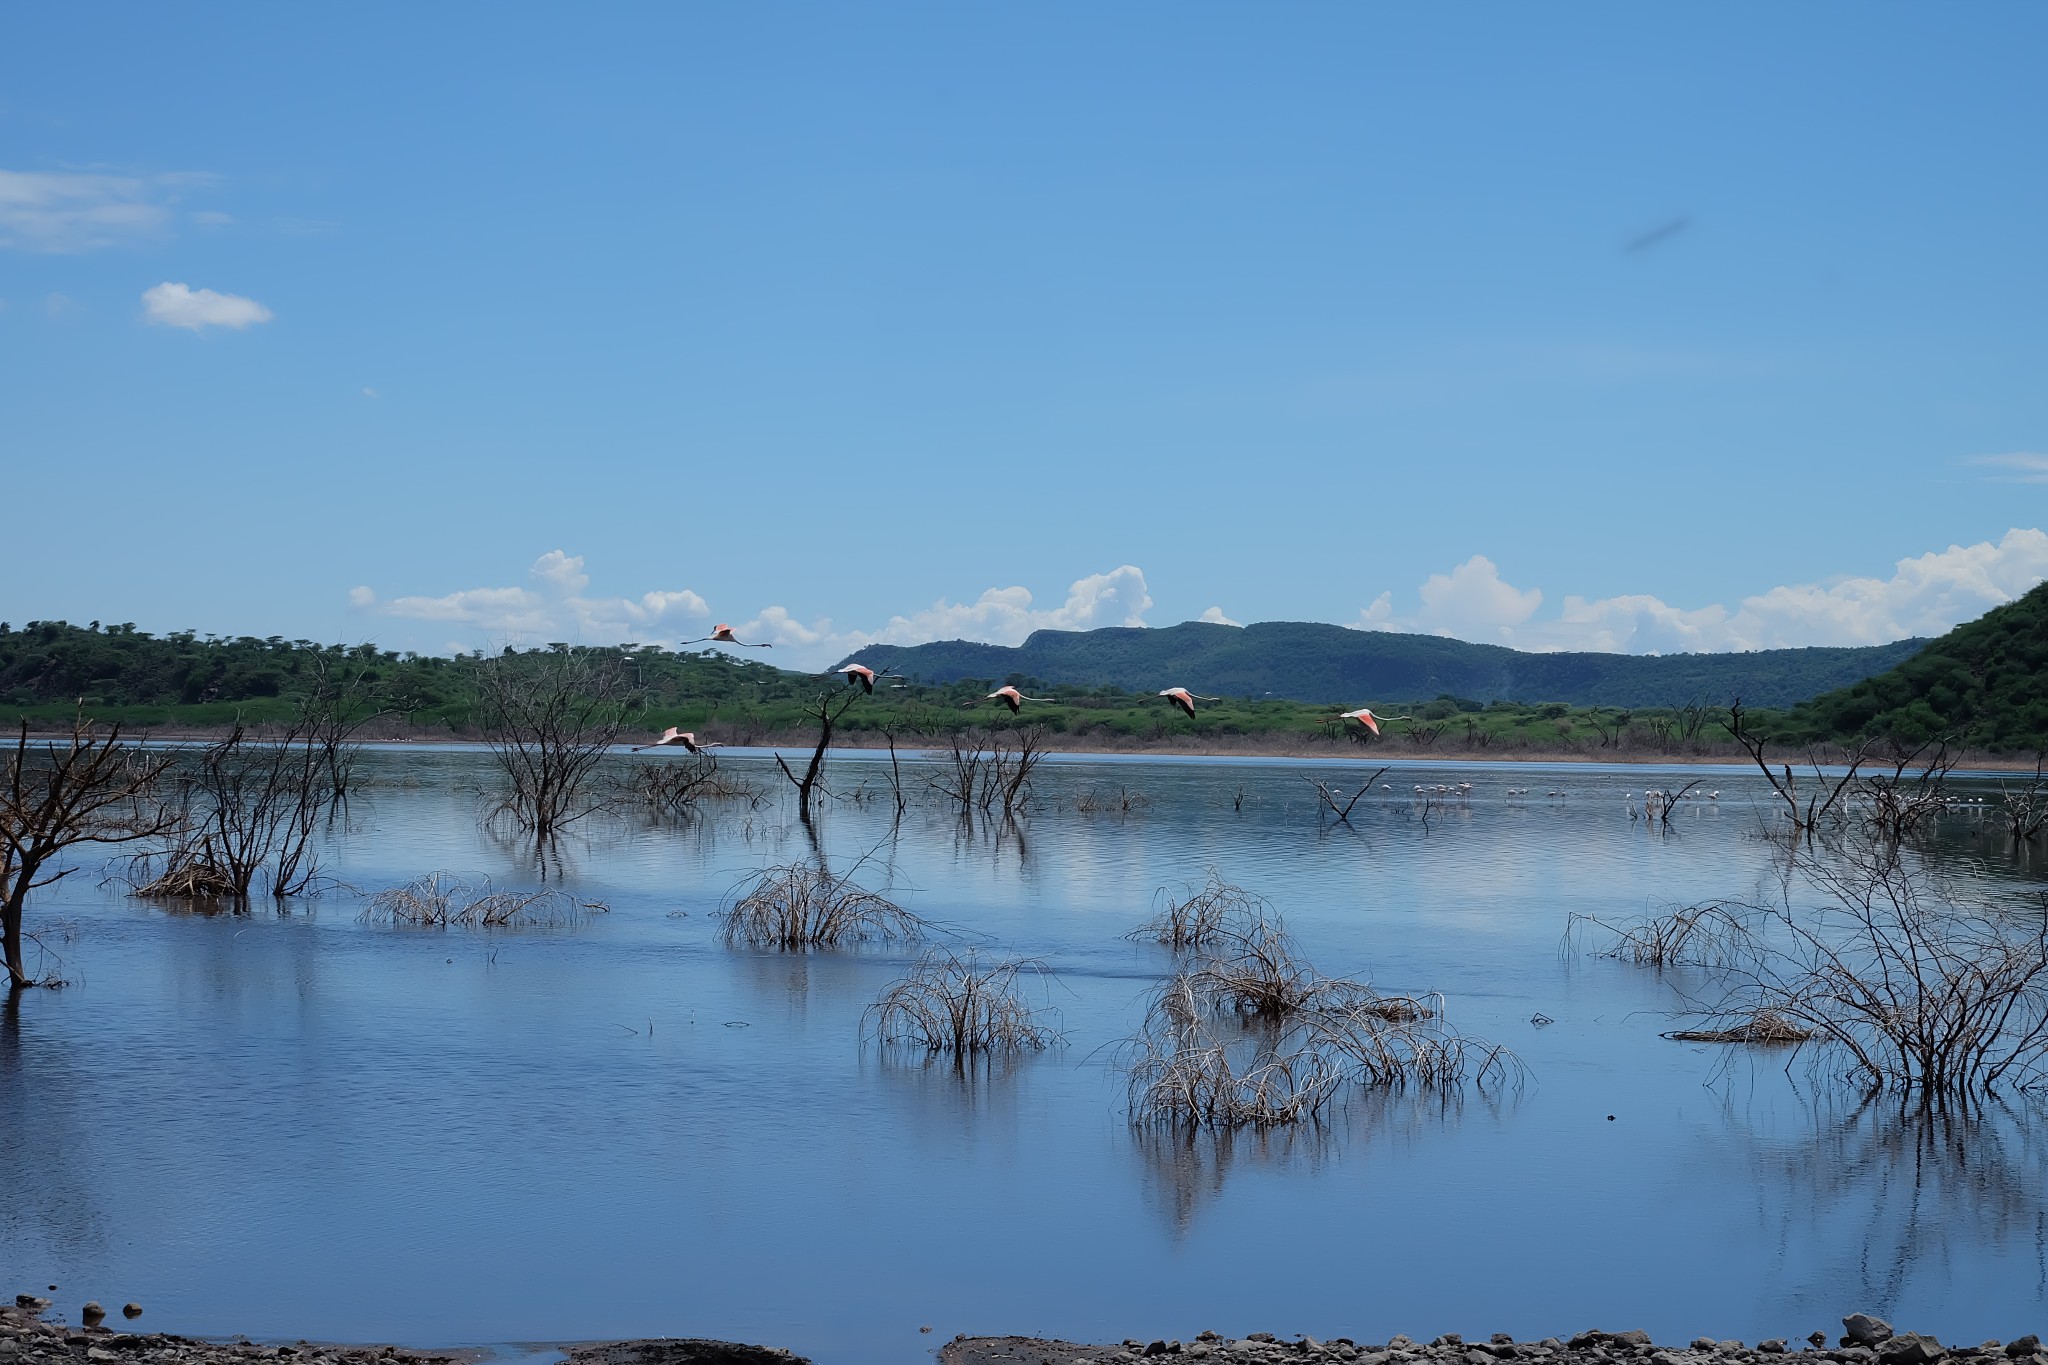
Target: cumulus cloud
(70, 211)
(554, 605)
(1000, 616)
(1925, 595)
(1215, 617)
(180, 305)
(554, 609)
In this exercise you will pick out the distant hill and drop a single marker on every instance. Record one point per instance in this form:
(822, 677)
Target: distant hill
(1305, 661)
(1986, 681)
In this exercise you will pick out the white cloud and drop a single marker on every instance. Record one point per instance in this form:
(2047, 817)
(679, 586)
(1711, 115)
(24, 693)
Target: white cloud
(1471, 599)
(68, 211)
(180, 305)
(1926, 595)
(2021, 466)
(554, 606)
(1215, 617)
(555, 609)
(1001, 616)
(369, 392)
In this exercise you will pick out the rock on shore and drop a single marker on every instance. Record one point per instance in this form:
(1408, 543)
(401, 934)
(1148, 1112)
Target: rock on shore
(1867, 1341)
(26, 1338)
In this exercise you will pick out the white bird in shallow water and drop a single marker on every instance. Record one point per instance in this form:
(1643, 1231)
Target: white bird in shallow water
(686, 739)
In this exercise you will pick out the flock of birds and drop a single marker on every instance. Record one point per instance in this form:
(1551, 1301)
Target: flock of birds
(863, 677)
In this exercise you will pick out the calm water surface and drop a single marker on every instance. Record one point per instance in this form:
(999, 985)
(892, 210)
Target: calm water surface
(303, 1125)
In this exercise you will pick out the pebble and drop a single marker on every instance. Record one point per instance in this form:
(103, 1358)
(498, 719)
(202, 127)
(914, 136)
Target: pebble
(1868, 1341)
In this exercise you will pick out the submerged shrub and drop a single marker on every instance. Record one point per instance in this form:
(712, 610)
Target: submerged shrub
(805, 905)
(1200, 916)
(1694, 935)
(962, 1007)
(1903, 983)
(443, 899)
(1249, 1034)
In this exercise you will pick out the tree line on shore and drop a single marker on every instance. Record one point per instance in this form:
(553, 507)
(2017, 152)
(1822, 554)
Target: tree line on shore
(1983, 686)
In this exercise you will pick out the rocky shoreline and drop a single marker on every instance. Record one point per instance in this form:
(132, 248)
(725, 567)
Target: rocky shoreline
(29, 1337)
(1866, 1340)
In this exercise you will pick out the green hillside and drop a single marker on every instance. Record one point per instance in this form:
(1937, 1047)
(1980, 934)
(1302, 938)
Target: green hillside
(1324, 663)
(1986, 682)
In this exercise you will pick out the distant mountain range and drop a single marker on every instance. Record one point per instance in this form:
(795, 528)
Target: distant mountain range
(1307, 661)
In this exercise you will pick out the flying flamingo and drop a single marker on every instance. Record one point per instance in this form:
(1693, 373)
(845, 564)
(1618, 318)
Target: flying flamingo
(1012, 698)
(1364, 716)
(864, 676)
(722, 634)
(1185, 699)
(686, 738)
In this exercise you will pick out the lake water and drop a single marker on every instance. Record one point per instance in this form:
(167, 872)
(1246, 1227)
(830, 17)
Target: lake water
(304, 1125)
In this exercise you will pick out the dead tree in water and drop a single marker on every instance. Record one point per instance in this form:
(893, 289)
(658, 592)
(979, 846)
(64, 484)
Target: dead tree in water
(1329, 795)
(248, 807)
(88, 787)
(1898, 803)
(1822, 798)
(2026, 810)
(335, 703)
(827, 709)
(1010, 768)
(969, 754)
(548, 719)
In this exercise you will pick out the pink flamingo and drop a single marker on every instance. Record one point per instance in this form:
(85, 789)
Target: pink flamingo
(1185, 699)
(863, 675)
(686, 738)
(1364, 716)
(722, 634)
(1012, 698)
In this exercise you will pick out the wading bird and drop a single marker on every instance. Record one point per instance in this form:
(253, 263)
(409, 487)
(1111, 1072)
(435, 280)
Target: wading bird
(1364, 716)
(1185, 699)
(1012, 698)
(686, 738)
(721, 634)
(863, 676)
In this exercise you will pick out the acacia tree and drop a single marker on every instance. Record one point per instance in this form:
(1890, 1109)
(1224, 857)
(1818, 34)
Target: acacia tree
(89, 788)
(548, 719)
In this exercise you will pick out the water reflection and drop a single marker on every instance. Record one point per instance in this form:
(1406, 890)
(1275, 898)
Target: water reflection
(573, 1103)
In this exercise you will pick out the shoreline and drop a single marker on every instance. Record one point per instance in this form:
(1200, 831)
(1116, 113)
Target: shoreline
(1269, 745)
(28, 1336)
(1867, 1341)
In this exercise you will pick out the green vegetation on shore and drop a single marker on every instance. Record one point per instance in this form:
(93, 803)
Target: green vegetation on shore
(1986, 680)
(1985, 683)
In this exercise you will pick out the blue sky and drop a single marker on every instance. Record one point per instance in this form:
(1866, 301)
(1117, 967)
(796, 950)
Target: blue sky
(1605, 326)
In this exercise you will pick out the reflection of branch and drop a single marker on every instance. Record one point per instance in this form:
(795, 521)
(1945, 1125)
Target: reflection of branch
(1900, 1193)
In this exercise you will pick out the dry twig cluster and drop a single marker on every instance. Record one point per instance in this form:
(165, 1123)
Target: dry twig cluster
(442, 900)
(804, 905)
(962, 1007)
(1247, 1033)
